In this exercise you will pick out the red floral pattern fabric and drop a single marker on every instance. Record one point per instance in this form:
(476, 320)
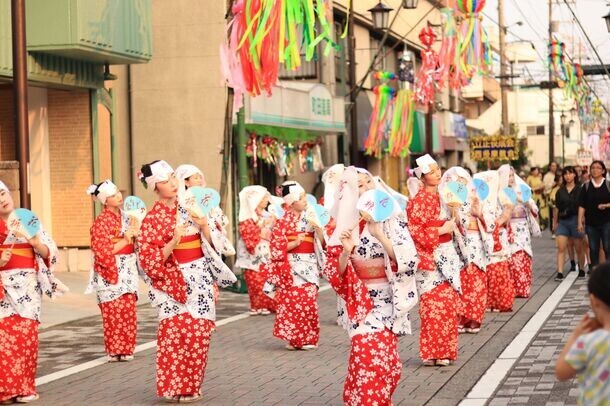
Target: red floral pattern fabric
(18, 356)
(280, 273)
(119, 319)
(255, 280)
(500, 287)
(374, 369)
(422, 211)
(250, 233)
(474, 293)
(105, 227)
(439, 324)
(156, 231)
(520, 265)
(183, 342)
(297, 319)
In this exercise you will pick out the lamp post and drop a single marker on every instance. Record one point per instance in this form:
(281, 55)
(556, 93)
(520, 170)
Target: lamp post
(409, 4)
(607, 18)
(380, 14)
(563, 119)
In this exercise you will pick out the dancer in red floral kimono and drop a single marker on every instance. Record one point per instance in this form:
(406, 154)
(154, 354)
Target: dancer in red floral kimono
(26, 272)
(255, 224)
(438, 272)
(114, 276)
(523, 224)
(470, 240)
(500, 288)
(181, 269)
(372, 267)
(296, 261)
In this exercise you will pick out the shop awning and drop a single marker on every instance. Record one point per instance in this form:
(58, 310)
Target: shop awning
(304, 107)
(418, 143)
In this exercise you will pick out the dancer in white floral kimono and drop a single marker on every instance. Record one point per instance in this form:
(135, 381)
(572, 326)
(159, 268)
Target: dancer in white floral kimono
(114, 276)
(372, 267)
(26, 273)
(181, 269)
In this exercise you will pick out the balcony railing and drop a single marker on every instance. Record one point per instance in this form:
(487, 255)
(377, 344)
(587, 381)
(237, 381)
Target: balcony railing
(307, 70)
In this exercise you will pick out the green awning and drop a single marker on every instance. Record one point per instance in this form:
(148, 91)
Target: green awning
(418, 142)
(287, 135)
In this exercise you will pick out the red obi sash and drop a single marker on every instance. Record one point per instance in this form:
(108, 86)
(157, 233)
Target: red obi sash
(22, 257)
(442, 238)
(189, 249)
(126, 250)
(306, 246)
(370, 269)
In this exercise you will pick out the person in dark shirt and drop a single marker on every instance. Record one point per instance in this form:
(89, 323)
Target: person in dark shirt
(565, 221)
(594, 211)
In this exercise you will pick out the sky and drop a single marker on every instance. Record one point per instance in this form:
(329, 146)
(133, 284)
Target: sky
(534, 15)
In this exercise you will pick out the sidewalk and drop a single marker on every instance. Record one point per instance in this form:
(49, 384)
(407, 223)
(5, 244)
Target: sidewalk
(247, 366)
(532, 379)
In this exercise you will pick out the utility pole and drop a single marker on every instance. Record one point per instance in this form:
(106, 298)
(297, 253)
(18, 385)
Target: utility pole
(551, 118)
(503, 74)
(20, 96)
(355, 152)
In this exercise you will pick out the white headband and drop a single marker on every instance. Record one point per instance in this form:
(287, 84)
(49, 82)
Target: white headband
(295, 191)
(161, 172)
(103, 191)
(424, 164)
(3, 186)
(183, 172)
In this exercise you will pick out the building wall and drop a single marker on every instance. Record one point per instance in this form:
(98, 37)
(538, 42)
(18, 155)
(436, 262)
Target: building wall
(178, 98)
(7, 126)
(70, 154)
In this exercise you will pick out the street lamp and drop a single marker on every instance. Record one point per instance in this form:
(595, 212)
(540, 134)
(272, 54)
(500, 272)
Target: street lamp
(607, 18)
(563, 119)
(506, 27)
(380, 15)
(409, 4)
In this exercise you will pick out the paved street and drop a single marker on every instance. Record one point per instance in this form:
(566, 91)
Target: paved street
(247, 366)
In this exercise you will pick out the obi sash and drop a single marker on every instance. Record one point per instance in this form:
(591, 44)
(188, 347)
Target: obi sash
(22, 257)
(126, 250)
(519, 212)
(306, 246)
(442, 238)
(370, 269)
(189, 249)
(473, 224)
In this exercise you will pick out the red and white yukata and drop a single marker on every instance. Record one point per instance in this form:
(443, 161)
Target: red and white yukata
(114, 278)
(182, 288)
(253, 255)
(500, 287)
(523, 224)
(438, 278)
(378, 294)
(22, 280)
(295, 276)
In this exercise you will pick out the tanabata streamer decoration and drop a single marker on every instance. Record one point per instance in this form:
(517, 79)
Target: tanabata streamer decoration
(200, 200)
(401, 130)
(426, 78)
(263, 34)
(449, 62)
(556, 60)
(375, 205)
(373, 145)
(473, 45)
(282, 154)
(23, 222)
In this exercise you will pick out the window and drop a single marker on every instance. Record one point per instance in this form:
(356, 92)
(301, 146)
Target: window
(535, 130)
(307, 70)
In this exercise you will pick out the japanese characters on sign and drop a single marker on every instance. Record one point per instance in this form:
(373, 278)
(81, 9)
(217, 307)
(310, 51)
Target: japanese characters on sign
(494, 148)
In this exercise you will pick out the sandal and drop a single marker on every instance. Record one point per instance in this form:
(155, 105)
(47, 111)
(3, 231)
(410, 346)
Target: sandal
(443, 362)
(429, 362)
(126, 358)
(27, 399)
(171, 399)
(253, 312)
(189, 398)
(113, 358)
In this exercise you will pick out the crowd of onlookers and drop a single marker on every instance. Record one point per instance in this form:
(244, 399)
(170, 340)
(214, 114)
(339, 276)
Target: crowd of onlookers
(574, 202)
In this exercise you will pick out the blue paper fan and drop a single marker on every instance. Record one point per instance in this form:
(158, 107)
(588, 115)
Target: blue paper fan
(25, 222)
(526, 193)
(455, 192)
(482, 188)
(205, 198)
(322, 214)
(311, 199)
(510, 195)
(377, 204)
